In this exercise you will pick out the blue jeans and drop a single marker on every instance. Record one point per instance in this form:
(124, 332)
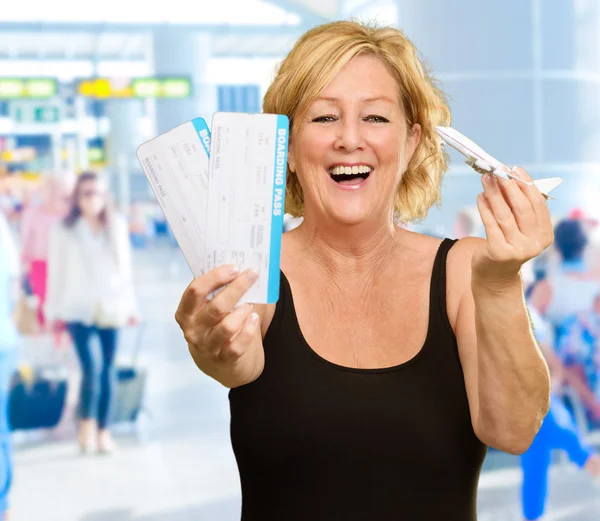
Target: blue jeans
(7, 368)
(98, 379)
(557, 432)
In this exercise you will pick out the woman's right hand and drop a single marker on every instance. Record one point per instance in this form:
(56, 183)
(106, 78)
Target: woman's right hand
(225, 343)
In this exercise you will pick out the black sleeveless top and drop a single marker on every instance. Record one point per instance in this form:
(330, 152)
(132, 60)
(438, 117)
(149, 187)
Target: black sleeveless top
(316, 441)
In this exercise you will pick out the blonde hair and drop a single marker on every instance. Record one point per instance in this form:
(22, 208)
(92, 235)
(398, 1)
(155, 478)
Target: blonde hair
(315, 60)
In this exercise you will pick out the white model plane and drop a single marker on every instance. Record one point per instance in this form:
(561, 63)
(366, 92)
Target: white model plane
(483, 163)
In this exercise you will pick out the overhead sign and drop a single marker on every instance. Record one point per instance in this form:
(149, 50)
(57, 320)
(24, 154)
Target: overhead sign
(46, 114)
(163, 87)
(31, 111)
(28, 88)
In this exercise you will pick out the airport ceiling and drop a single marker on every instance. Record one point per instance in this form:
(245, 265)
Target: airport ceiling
(239, 28)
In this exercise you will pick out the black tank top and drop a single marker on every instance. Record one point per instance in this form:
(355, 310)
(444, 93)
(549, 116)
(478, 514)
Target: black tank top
(315, 441)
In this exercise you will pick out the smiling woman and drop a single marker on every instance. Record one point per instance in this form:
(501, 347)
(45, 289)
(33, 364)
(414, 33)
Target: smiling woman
(373, 386)
(304, 86)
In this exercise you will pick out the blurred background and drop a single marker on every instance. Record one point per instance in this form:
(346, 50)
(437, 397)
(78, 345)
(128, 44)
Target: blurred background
(82, 86)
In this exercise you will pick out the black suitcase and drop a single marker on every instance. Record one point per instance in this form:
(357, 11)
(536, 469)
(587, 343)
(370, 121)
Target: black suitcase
(131, 387)
(37, 400)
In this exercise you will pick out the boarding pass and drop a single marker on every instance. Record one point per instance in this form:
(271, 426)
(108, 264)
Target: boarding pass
(227, 209)
(176, 164)
(247, 176)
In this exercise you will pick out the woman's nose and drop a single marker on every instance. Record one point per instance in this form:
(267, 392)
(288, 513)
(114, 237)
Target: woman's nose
(349, 136)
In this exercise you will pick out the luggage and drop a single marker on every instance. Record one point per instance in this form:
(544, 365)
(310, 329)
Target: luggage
(37, 398)
(131, 386)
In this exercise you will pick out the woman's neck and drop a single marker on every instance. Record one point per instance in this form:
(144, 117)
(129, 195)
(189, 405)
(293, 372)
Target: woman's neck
(348, 251)
(93, 222)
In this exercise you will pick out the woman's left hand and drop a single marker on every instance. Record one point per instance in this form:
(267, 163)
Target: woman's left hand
(518, 227)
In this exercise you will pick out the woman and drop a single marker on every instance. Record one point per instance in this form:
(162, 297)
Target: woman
(372, 388)
(90, 291)
(8, 345)
(35, 235)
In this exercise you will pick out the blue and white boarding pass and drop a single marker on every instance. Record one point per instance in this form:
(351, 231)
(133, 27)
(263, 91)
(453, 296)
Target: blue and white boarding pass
(247, 176)
(176, 164)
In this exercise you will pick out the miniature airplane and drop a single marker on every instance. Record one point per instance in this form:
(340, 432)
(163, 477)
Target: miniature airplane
(483, 163)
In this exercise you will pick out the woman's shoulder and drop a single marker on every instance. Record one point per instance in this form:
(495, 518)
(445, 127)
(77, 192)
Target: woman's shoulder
(428, 246)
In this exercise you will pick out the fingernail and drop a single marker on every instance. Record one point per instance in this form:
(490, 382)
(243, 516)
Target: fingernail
(235, 270)
(253, 319)
(252, 275)
(488, 178)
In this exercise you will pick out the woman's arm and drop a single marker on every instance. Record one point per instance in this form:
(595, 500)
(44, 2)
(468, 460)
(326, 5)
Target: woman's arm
(56, 248)
(506, 377)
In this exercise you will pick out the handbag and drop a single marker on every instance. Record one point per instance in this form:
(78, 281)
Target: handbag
(25, 315)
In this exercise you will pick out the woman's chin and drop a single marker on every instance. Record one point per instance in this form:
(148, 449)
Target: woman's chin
(351, 216)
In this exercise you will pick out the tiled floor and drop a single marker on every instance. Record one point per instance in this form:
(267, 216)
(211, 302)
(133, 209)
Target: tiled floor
(179, 465)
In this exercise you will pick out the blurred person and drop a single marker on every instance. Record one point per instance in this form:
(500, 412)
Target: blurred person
(559, 430)
(588, 222)
(571, 286)
(592, 231)
(90, 292)
(8, 345)
(578, 348)
(357, 396)
(36, 223)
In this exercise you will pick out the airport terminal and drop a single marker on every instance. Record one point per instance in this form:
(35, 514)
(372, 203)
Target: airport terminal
(83, 87)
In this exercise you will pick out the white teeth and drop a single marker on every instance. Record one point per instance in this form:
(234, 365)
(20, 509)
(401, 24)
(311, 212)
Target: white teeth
(350, 170)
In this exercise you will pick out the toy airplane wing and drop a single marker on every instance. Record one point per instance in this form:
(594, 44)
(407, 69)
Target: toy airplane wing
(483, 163)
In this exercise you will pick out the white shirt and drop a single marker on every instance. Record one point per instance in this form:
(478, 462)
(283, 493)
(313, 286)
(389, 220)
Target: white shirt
(570, 295)
(89, 275)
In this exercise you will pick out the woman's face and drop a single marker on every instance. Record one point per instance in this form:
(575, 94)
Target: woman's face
(91, 198)
(353, 145)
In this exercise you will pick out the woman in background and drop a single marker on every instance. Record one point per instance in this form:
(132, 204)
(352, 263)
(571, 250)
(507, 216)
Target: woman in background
(90, 291)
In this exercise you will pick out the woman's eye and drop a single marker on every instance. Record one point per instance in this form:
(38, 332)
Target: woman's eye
(377, 119)
(324, 119)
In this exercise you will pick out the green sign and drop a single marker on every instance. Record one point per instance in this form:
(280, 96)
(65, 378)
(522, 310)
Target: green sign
(28, 88)
(96, 155)
(161, 88)
(46, 115)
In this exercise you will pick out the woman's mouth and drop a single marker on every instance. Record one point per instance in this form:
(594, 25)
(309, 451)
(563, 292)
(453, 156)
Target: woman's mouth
(350, 175)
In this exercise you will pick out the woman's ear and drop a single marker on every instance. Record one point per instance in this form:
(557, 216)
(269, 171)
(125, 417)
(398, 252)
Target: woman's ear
(291, 158)
(412, 141)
